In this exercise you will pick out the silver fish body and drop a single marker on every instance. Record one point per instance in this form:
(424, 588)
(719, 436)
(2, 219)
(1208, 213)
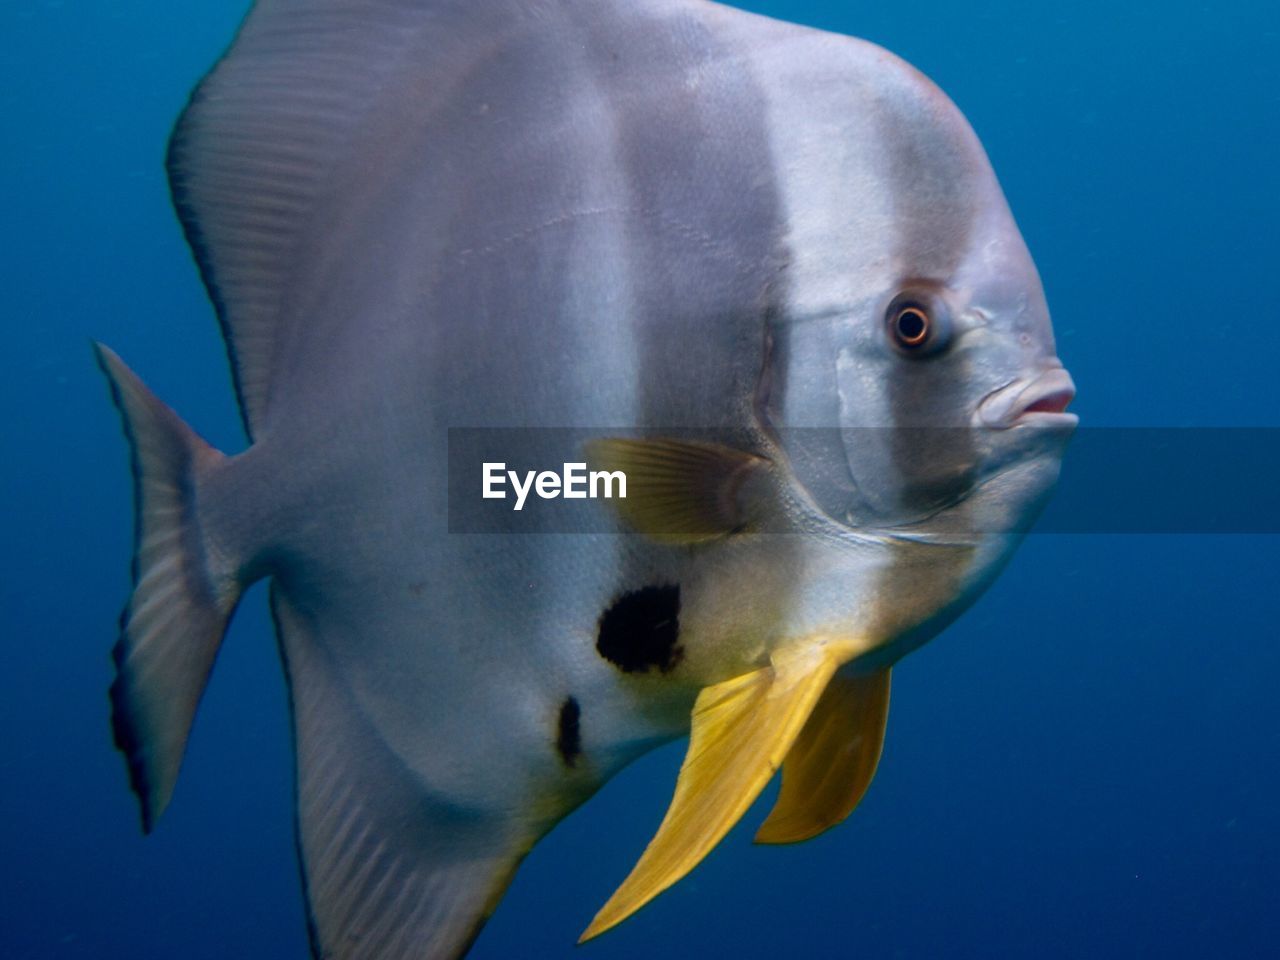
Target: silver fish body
(641, 218)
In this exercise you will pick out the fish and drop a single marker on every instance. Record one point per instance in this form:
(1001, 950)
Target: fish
(768, 269)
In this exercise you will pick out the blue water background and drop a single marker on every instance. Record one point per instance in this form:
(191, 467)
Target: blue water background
(1088, 764)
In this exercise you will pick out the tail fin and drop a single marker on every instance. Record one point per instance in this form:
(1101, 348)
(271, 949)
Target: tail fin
(174, 621)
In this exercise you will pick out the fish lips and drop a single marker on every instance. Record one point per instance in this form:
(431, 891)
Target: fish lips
(1038, 402)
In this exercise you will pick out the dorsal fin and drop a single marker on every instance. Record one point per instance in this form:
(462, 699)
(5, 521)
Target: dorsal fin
(261, 145)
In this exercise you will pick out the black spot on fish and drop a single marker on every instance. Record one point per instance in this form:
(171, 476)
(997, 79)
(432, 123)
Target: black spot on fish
(569, 737)
(641, 629)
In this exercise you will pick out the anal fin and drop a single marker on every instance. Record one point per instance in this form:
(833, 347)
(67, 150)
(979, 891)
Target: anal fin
(391, 869)
(742, 730)
(833, 760)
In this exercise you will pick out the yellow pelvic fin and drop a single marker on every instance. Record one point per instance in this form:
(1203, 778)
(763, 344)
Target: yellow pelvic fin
(833, 760)
(677, 492)
(742, 729)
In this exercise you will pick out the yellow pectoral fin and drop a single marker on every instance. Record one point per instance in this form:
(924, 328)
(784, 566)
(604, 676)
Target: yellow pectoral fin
(742, 729)
(834, 758)
(678, 492)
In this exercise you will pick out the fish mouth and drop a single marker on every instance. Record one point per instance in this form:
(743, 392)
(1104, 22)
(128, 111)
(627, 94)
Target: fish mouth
(1042, 401)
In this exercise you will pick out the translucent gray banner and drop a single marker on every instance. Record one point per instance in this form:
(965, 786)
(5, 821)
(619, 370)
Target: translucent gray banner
(1113, 480)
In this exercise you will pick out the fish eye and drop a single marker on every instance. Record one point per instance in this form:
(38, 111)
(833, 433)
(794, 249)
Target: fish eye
(911, 326)
(917, 324)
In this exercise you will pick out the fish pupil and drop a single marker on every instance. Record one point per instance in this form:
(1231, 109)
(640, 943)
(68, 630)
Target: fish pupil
(912, 326)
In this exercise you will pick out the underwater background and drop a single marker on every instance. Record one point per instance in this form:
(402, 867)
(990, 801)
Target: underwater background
(1086, 764)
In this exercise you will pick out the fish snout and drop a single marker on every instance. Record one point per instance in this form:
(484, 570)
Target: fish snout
(1040, 401)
